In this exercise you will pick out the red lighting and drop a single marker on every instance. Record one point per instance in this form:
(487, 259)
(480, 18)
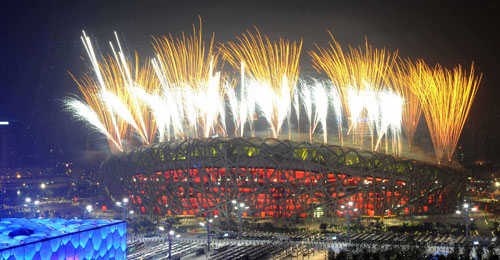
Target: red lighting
(264, 200)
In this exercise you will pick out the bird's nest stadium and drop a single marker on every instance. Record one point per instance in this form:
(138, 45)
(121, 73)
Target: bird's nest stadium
(276, 178)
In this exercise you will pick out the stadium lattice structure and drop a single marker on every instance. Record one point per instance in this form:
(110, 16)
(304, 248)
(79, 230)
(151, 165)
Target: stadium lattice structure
(277, 178)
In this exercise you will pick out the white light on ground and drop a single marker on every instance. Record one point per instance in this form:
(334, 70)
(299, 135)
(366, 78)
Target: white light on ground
(43, 186)
(171, 232)
(4, 122)
(28, 199)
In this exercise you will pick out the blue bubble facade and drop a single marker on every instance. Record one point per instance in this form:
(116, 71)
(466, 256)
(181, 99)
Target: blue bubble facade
(62, 239)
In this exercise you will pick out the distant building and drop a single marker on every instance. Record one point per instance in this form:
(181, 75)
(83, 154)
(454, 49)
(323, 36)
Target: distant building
(7, 145)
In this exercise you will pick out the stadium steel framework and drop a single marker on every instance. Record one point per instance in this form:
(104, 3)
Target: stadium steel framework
(276, 178)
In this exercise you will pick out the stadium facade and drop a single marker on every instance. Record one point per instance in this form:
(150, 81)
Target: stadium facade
(277, 178)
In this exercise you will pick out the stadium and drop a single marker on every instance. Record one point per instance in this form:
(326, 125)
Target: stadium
(178, 128)
(277, 178)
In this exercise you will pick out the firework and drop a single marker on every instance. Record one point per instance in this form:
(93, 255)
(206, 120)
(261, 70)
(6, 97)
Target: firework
(391, 110)
(111, 96)
(355, 69)
(188, 63)
(306, 98)
(446, 97)
(403, 81)
(380, 111)
(234, 108)
(296, 106)
(272, 69)
(336, 103)
(316, 96)
(83, 112)
(182, 93)
(242, 109)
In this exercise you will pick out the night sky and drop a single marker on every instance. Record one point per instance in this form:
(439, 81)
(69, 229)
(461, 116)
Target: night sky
(40, 43)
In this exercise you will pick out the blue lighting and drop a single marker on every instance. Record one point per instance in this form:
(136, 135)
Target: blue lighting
(47, 239)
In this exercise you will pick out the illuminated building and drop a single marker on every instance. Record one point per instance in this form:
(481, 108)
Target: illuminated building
(277, 178)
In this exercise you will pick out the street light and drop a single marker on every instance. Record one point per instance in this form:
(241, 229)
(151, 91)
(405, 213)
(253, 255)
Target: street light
(31, 204)
(240, 208)
(466, 210)
(207, 225)
(123, 204)
(88, 210)
(170, 233)
(125, 201)
(347, 213)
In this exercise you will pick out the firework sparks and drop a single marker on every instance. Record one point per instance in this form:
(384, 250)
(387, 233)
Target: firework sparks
(182, 92)
(189, 63)
(380, 111)
(403, 82)
(83, 112)
(316, 97)
(320, 108)
(273, 66)
(391, 110)
(336, 103)
(296, 106)
(111, 96)
(446, 97)
(356, 69)
(306, 98)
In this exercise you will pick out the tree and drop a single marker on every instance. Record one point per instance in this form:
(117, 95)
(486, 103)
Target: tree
(323, 227)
